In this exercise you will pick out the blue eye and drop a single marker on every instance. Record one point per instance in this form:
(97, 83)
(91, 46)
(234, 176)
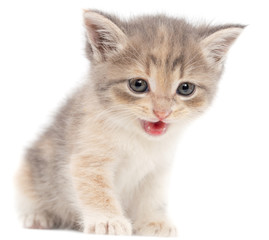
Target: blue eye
(185, 89)
(138, 85)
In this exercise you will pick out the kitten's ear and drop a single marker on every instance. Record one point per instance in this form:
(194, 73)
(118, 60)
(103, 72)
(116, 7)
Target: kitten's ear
(104, 37)
(218, 41)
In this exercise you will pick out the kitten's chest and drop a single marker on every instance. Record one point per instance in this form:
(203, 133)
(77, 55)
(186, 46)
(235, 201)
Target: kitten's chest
(132, 167)
(137, 160)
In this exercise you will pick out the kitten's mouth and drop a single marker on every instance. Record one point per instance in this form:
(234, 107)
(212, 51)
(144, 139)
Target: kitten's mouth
(154, 128)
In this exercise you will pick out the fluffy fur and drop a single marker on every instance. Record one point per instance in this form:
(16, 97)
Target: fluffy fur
(95, 168)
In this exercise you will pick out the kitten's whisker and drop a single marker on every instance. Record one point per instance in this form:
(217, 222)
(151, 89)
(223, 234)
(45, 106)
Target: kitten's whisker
(192, 58)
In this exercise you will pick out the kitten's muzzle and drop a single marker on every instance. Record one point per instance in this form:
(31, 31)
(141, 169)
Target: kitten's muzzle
(161, 115)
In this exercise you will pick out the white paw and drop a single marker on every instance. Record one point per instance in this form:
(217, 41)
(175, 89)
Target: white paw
(155, 228)
(110, 226)
(38, 221)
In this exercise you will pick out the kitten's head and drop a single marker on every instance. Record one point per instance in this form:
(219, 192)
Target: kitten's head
(153, 72)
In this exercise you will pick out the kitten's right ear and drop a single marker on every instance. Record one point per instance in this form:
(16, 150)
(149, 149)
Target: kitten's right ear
(104, 36)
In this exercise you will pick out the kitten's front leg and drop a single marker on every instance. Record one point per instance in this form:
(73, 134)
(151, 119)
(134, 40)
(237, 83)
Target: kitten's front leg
(98, 204)
(149, 212)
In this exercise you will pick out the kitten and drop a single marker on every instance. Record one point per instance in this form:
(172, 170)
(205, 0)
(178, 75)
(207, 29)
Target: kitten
(102, 165)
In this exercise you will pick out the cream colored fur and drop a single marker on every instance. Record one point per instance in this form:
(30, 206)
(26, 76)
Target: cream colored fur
(95, 168)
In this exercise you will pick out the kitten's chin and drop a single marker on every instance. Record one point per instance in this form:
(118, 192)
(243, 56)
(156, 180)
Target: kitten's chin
(154, 128)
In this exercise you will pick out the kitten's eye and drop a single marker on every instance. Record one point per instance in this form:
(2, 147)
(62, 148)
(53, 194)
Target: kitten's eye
(138, 85)
(185, 89)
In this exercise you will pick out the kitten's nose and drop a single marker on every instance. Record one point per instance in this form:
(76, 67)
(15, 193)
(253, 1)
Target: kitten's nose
(162, 114)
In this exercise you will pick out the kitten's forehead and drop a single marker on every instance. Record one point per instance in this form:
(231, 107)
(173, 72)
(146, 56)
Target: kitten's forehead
(161, 76)
(166, 49)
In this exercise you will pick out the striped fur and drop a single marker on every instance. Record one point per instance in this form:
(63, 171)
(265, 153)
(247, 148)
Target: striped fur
(95, 168)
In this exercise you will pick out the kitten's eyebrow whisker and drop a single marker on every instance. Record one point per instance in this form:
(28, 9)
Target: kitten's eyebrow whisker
(193, 67)
(137, 53)
(193, 57)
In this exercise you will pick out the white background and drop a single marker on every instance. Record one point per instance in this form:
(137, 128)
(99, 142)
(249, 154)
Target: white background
(220, 182)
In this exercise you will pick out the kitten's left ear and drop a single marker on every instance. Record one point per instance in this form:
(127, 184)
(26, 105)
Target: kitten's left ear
(104, 37)
(218, 41)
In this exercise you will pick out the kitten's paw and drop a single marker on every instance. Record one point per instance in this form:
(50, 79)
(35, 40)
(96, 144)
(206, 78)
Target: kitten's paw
(155, 228)
(38, 221)
(110, 226)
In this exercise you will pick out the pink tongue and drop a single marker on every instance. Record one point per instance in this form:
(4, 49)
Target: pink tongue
(155, 128)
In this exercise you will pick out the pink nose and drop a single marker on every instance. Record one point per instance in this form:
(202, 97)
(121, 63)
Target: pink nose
(162, 114)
